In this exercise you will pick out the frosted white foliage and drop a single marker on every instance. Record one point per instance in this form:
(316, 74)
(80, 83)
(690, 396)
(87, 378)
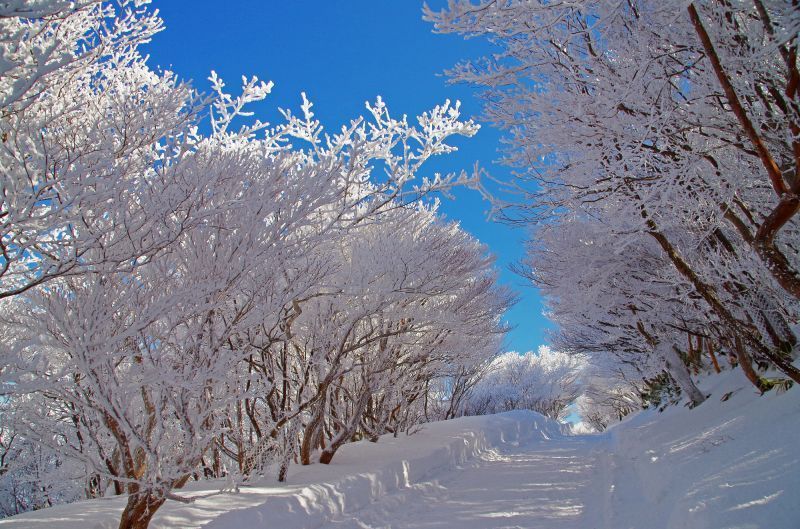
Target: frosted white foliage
(546, 381)
(31, 475)
(174, 304)
(609, 393)
(656, 147)
(96, 145)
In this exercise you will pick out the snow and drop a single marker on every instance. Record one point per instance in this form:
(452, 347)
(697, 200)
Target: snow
(538, 484)
(730, 464)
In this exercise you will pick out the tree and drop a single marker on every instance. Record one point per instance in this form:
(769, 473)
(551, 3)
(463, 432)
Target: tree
(90, 140)
(546, 382)
(154, 278)
(630, 119)
(608, 395)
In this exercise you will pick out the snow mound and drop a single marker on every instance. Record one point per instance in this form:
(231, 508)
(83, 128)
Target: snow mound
(360, 474)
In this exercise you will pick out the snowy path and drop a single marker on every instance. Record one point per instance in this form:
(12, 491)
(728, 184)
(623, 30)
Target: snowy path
(543, 484)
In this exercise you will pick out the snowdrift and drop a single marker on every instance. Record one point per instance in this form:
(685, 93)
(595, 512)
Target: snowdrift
(360, 473)
(727, 464)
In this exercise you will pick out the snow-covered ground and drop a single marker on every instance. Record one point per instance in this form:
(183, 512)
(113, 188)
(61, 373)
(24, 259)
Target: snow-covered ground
(731, 464)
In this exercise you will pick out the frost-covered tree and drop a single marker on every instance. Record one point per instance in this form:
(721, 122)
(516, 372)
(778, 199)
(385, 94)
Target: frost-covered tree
(90, 137)
(32, 476)
(622, 301)
(657, 124)
(608, 395)
(546, 381)
(360, 349)
(174, 302)
(445, 314)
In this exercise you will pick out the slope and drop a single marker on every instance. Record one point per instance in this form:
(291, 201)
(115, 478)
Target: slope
(729, 463)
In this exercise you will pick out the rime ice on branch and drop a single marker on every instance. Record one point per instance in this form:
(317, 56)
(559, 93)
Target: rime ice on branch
(658, 148)
(175, 304)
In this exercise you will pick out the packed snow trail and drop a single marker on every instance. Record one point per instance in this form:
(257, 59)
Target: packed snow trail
(544, 483)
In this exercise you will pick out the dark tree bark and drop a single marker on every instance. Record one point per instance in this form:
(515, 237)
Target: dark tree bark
(734, 326)
(139, 510)
(348, 429)
(788, 194)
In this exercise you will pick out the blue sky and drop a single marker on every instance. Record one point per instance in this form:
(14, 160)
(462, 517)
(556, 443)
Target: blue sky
(343, 53)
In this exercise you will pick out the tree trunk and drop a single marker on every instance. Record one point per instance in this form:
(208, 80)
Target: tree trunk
(348, 429)
(311, 434)
(693, 353)
(746, 363)
(710, 349)
(327, 455)
(678, 370)
(140, 509)
(765, 247)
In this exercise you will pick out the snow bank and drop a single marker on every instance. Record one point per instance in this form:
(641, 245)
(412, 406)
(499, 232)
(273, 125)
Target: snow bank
(388, 466)
(360, 473)
(725, 464)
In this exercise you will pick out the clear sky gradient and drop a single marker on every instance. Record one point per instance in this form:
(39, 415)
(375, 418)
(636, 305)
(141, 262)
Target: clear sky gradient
(341, 54)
